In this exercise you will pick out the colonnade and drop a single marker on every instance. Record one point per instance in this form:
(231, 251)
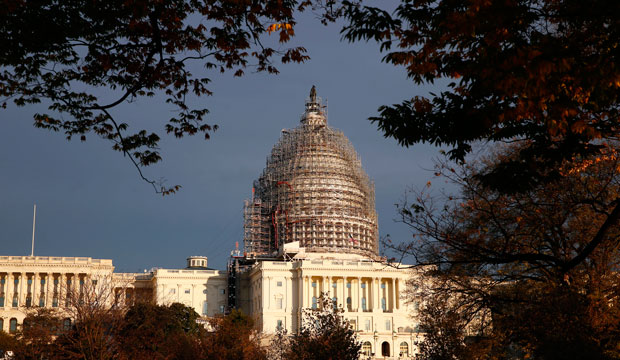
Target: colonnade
(353, 294)
(42, 289)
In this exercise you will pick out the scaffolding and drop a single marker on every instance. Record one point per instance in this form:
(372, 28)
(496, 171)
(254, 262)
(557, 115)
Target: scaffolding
(313, 190)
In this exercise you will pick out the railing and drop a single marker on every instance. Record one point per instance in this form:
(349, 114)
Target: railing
(53, 260)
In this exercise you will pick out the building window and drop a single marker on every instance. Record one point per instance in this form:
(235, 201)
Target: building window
(388, 325)
(348, 285)
(222, 291)
(55, 302)
(383, 285)
(404, 349)
(314, 303)
(222, 309)
(205, 308)
(1, 324)
(335, 285)
(15, 300)
(367, 325)
(66, 325)
(173, 291)
(204, 291)
(279, 283)
(279, 303)
(385, 349)
(383, 304)
(42, 300)
(279, 325)
(363, 304)
(349, 303)
(335, 301)
(42, 281)
(363, 285)
(366, 348)
(13, 325)
(313, 284)
(1, 299)
(187, 291)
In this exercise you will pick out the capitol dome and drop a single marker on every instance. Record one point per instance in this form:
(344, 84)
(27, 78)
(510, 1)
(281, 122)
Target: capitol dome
(313, 191)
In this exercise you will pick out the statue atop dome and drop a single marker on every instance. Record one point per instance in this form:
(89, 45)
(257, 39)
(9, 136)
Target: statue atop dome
(315, 113)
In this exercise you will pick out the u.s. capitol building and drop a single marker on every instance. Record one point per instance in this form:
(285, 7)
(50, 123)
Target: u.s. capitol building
(310, 228)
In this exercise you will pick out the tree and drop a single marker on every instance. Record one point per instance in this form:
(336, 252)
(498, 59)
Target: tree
(35, 338)
(279, 345)
(446, 333)
(324, 335)
(84, 59)
(233, 337)
(527, 258)
(539, 70)
(91, 319)
(152, 331)
(7, 343)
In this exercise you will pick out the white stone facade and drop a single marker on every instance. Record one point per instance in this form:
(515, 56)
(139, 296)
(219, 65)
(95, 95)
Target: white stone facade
(43, 281)
(370, 293)
(205, 290)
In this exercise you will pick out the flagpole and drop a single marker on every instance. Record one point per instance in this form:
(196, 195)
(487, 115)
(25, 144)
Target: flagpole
(34, 219)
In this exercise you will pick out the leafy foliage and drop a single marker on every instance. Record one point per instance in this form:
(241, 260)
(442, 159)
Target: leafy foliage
(541, 70)
(233, 338)
(324, 335)
(543, 263)
(156, 332)
(83, 59)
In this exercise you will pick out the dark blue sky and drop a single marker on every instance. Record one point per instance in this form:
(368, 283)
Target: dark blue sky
(90, 201)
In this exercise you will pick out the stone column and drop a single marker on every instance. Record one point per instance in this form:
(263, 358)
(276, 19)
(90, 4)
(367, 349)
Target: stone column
(35, 289)
(8, 292)
(376, 294)
(302, 295)
(62, 289)
(344, 292)
(306, 288)
(394, 294)
(49, 286)
(329, 287)
(359, 294)
(23, 289)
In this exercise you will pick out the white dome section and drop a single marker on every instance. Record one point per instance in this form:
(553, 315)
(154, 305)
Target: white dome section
(313, 190)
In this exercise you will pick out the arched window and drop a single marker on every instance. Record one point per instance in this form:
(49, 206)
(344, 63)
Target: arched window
(366, 348)
(363, 304)
(314, 304)
(404, 349)
(66, 324)
(385, 349)
(13, 325)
